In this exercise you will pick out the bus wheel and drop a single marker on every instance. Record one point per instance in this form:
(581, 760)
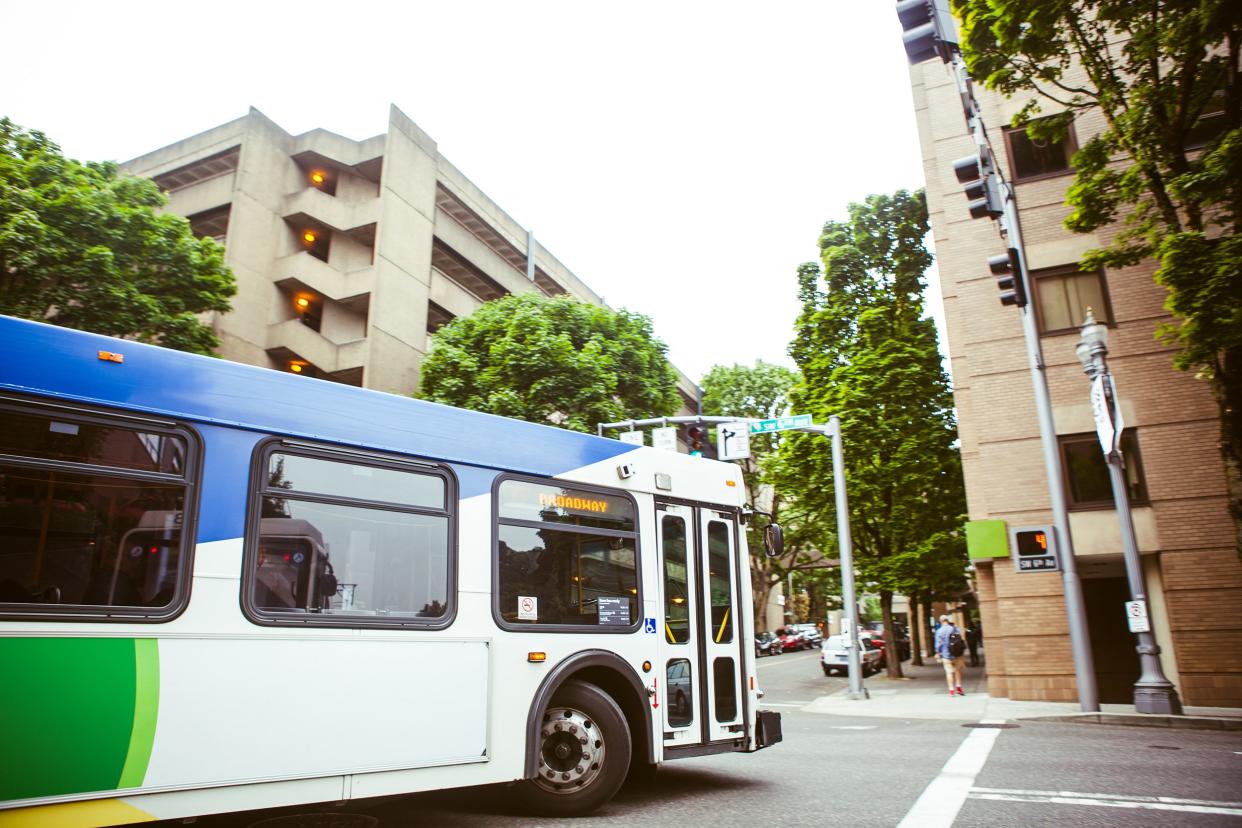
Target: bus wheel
(584, 752)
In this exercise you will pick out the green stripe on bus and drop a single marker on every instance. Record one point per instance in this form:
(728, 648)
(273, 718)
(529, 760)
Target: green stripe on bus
(146, 708)
(67, 715)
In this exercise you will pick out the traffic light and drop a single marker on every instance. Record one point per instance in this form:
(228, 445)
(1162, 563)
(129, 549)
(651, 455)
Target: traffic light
(699, 442)
(978, 173)
(928, 29)
(1007, 268)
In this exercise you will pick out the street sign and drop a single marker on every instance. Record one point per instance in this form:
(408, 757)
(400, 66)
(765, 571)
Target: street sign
(664, 438)
(1034, 549)
(1136, 616)
(634, 438)
(1108, 421)
(733, 441)
(780, 424)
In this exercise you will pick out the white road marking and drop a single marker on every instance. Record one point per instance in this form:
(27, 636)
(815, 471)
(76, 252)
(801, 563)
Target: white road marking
(937, 807)
(784, 704)
(853, 727)
(1149, 803)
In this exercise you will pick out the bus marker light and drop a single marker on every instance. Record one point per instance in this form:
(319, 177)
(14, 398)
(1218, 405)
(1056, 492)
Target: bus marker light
(646, 666)
(536, 658)
(110, 356)
(752, 682)
(731, 483)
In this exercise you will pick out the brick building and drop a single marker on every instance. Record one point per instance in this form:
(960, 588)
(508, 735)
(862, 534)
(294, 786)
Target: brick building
(1176, 476)
(348, 254)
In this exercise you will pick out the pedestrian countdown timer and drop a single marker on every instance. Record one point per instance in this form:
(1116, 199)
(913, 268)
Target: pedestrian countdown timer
(1034, 549)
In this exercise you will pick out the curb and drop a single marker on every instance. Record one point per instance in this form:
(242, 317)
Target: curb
(1144, 720)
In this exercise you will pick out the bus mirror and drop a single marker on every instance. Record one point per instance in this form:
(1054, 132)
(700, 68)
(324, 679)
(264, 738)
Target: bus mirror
(774, 540)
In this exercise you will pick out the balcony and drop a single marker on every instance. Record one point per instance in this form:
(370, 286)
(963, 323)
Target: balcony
(293, 338)
(302, 271)
(354, 218)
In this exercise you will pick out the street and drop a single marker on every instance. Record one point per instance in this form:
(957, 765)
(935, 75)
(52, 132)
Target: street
(871, 771)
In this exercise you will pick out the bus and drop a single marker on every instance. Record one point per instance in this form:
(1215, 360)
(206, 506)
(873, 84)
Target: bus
(226, 588)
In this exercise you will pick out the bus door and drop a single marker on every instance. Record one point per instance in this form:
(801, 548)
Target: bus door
(700, 649)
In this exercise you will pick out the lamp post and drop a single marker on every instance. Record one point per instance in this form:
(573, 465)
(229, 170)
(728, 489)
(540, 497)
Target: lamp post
(1153, 693)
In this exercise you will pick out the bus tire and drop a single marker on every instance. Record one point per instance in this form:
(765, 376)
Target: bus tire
(583, 752)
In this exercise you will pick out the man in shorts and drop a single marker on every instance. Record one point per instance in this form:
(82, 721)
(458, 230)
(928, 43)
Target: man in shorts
(953, 664)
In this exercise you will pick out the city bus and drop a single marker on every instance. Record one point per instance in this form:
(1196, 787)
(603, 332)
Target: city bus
(226, 588)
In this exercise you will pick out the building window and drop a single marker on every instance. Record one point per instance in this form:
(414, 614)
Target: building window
(1031, 158)
(93, 516)
(349, 540)
(1086, 472)
(1211, 123)
(566, 557)
(1063, 294)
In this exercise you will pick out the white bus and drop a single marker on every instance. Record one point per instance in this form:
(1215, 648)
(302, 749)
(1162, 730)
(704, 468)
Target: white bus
(226, 588)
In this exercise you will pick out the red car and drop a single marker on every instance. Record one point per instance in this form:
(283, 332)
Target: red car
(792, 640)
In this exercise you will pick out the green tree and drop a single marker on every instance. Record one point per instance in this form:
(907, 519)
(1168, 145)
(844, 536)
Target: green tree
(1164, 76)
(761, 392)
(83, 246)
(555, 361)
(868, 354)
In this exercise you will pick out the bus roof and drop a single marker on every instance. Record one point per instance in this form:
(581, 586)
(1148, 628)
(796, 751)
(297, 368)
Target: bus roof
(47, 360)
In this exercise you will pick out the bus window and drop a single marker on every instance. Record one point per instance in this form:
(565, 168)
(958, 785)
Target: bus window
(720, 582)
(350, 542)
(676, 588)
(105, 532)
(566, 557)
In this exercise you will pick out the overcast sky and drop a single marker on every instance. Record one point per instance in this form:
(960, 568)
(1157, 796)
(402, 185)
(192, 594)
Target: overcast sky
(680, 157)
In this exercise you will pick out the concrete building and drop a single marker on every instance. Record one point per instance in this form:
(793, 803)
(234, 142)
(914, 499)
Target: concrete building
(1176, 476)
(348, 254)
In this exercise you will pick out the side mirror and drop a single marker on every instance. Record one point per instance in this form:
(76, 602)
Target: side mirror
(774, 540)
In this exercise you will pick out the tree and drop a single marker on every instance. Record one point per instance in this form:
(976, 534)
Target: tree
(555, 361)
(760, 392)
(1164, 75)
(868, 354)
(83, 246)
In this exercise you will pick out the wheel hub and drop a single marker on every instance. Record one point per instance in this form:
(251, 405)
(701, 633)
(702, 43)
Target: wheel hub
(572, 753)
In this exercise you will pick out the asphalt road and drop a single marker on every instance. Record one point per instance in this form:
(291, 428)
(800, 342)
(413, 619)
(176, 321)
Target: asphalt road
(837, 770)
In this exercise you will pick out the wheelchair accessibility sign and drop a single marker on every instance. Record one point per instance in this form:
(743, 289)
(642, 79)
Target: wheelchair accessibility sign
(650, 626)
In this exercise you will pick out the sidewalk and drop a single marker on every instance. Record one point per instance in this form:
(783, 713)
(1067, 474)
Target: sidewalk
(924, 695)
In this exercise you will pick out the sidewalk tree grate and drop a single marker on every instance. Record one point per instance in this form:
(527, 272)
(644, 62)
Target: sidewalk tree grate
(993, 725)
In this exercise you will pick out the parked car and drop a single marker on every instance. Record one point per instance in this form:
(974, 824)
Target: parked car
(813, 636)
(902, 636)
(835, 658)
(766, 643)
(792, 640)
(877, 640)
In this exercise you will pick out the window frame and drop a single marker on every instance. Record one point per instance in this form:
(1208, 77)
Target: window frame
(256, 491)
(1133, 455)
(636, 624)
(191, 479)
(1071, 147)
(1071, 269)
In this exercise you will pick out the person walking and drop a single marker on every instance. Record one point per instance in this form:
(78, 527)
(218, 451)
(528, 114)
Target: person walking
(951, 649)
(972, 644)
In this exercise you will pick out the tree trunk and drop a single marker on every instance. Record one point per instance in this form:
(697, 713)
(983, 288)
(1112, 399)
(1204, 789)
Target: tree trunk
(929, 643)
(916, 632)
(891, 654)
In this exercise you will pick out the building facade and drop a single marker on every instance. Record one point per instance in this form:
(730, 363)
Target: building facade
(1175, 473)
(349, 254)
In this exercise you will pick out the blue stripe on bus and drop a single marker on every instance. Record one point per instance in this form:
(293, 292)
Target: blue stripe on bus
(59, 362)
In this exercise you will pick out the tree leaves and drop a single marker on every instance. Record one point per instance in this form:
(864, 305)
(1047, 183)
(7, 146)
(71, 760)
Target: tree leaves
(554, 361)
(83, 246)
(868, 355)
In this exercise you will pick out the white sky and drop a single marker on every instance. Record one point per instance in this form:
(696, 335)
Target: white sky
(680, 157)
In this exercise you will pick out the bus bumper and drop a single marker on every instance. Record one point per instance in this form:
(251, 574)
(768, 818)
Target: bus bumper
(767, 729)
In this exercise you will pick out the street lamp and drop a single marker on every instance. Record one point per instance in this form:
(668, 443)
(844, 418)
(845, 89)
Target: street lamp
(1153, 693)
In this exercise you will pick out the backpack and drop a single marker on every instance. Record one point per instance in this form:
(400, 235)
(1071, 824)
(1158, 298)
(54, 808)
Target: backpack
(957, 646)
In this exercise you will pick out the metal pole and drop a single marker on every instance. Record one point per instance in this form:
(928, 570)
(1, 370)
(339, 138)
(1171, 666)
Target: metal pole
(1075, 604)
(1153, 692)
(846, 545)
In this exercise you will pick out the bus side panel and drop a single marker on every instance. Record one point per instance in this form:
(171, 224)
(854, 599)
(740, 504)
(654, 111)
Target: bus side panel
(270, 708)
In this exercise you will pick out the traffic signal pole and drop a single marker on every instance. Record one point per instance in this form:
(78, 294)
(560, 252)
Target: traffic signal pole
(929, 30)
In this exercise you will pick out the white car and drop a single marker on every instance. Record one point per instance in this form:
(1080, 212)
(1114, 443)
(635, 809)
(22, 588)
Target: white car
(834, 657)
